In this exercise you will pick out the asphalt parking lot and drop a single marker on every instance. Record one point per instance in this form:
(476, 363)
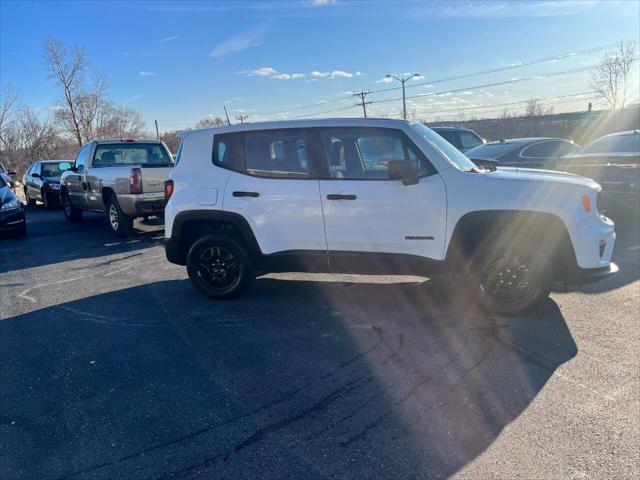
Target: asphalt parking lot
(112, 366)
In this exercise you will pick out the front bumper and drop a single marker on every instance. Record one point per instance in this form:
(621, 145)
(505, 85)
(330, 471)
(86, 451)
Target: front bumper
(12, 220)
(583, 276)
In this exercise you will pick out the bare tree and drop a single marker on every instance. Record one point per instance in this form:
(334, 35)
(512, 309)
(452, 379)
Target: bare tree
(210, 122)
(610, 78)
(533, 108)
(119, 122)
(66, 67)
(8, 112)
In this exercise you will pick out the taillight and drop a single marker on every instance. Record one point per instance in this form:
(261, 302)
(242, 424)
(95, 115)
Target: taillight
(135, 180)
(168, 189)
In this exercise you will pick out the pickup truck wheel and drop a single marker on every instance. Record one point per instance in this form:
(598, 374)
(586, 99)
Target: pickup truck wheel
(72, 214)
(120, 223)
(219, 267)
(509, 280)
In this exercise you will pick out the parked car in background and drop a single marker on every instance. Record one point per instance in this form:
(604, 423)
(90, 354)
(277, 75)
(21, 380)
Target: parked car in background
(461, 138)
(124, 178)
(614, 162)
(534, 152)
(8, 177)
(42, 182)
(376, 196)
(12, 216)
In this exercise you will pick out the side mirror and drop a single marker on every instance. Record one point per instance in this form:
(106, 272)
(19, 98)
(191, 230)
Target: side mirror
(36, 175)
(73, 169)
(403, 170)
(64, 166)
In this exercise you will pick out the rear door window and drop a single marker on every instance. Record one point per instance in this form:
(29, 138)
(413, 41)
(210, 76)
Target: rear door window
(276, 154)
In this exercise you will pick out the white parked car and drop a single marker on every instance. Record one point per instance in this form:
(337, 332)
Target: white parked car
(376, 196)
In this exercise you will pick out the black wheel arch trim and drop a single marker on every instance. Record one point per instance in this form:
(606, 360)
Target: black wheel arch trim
(469, 224)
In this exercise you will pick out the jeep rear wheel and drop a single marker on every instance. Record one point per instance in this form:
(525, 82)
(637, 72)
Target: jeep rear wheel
(73, 214)
(509, 280)
(219, 267)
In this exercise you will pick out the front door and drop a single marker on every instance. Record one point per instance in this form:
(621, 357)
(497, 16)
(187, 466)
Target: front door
(75, 181)
(275, 190)
(366, 214)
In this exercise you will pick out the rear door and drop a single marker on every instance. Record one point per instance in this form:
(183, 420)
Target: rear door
(274, 186)
(365, 211)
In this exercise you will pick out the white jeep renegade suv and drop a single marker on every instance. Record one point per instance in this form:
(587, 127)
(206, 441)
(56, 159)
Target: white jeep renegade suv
(376, 196)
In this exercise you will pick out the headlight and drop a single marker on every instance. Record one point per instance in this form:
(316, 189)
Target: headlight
(11, 204)
(54, 186)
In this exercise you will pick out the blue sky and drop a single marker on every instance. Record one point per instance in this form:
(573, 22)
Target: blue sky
(178, 62)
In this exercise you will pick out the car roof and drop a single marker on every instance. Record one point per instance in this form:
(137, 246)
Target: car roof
(626, 132)
(125, 140)
(304, 123)
(448, 127)
(524, 141)
(54, 161)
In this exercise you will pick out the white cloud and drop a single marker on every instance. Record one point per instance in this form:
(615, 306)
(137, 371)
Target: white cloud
(169, 39)
(263, 72)
(385, 80)
(288, 76)
(240, 41)
(132, 99)
(144, 73)
(333, 74)
(508, 9)
(321, 3)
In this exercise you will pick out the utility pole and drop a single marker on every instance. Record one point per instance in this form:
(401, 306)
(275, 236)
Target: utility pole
(227, 114)
(157, 134)
(363, 94)
(404, 100)
(241, 118)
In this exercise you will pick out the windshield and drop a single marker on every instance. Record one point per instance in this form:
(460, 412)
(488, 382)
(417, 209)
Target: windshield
(491, 151)
(52, 169)
(457, 158)
(144, 154)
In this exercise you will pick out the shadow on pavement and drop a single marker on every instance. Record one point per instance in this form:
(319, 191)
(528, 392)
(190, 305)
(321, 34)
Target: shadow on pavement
(297, 379)
(51, 239)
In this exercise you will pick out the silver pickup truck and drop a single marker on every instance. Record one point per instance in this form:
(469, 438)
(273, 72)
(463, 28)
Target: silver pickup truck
(122, 178)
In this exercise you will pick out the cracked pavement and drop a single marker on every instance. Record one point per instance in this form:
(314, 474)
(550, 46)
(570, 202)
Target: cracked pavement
(112, 366)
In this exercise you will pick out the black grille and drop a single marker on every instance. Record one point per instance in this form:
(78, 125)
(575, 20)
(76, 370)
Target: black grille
(599, 204)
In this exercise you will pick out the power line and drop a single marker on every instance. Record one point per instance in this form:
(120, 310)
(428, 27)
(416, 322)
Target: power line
(363, 95)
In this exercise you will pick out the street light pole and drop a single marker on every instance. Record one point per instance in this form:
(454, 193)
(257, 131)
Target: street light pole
(404, 99)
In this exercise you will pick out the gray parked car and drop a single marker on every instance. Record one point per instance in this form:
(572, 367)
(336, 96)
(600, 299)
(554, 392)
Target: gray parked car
(123, 178)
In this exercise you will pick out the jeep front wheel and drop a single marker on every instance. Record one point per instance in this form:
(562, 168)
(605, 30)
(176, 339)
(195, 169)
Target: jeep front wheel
(509, 280)
(219, 267)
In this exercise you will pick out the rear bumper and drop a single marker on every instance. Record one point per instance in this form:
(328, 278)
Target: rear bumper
(137, 205)
(173, 251)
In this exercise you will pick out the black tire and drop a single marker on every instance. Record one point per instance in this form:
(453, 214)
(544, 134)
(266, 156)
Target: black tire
(120, 223)
(46, 200)
(219, 267)
(72, 213)
(509, 279)
(31, 202)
